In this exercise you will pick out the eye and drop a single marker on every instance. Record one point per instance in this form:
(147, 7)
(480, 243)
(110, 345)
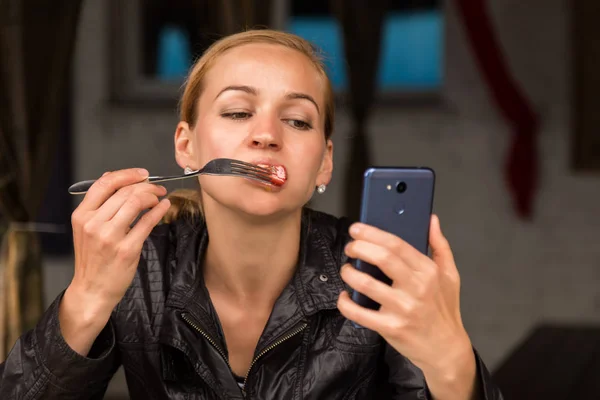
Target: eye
(298, 124)
(237, 115)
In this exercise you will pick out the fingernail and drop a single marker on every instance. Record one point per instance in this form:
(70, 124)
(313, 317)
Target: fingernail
(106, 173)
(143, 172)
(354, 229)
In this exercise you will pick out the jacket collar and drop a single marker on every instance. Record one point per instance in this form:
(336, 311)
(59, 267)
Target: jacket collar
(315, 285)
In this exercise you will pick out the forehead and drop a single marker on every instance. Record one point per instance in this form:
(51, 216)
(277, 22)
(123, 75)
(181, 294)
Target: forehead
(265, 66)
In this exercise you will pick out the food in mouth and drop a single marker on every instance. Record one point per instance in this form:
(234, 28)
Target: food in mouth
(278, 173)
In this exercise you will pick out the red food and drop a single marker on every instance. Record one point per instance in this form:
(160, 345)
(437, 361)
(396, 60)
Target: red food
(278, 174)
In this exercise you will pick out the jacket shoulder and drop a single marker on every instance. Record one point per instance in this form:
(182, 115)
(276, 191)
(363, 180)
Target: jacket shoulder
(333, 229)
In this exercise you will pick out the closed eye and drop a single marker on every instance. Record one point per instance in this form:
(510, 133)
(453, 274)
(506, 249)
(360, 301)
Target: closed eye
(237, 115)
(298, 124)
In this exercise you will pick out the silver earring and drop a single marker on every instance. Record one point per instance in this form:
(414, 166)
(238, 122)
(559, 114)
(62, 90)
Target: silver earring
(187, 170)
(321, 189)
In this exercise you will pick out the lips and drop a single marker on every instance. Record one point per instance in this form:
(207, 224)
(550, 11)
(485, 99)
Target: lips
(278, 173)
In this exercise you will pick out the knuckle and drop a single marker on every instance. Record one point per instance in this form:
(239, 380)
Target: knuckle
(77, 219)
(105, 238)
(364, 284)
(396, 246)
(395, 325)
(105, 182)
(387, 258)
(89, 229)
(409, 307)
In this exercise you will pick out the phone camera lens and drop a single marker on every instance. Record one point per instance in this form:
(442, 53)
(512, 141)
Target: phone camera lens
(401, 187)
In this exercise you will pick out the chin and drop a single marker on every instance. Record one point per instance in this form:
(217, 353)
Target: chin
(250, 199)
(264, 205)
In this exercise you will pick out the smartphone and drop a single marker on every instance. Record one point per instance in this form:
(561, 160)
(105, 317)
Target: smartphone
(398, 200)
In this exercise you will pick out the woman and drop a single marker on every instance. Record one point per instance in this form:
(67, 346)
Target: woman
(240, 294)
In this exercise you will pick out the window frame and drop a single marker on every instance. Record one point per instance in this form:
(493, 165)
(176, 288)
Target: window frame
(128, 85)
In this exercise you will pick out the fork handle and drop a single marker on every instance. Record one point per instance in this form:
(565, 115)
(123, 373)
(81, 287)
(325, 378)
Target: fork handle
(83, 186)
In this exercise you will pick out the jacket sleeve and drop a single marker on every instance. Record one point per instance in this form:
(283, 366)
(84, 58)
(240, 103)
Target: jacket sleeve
(486, 387)
(41, 365)
(405, 380)
(408, 382)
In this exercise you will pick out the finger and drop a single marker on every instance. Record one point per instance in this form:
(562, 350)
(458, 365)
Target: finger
(389, 263)
(373, 288)
(108, 184)
(109, 209)
(441, 253)
(360, 231)
(138, 234)
(362, 316)
(131, 209)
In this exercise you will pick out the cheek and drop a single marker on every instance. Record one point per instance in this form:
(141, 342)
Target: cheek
(212, 144)
(308, 159)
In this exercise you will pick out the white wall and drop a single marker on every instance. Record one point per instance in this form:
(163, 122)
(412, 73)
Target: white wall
(514, 273)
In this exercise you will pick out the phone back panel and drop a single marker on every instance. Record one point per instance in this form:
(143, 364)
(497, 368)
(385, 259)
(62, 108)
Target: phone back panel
(406, 214)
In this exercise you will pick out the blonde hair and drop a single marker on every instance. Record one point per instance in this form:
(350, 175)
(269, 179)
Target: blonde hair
(187, 202)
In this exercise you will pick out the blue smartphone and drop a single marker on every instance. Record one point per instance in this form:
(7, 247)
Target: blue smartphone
(398, 200)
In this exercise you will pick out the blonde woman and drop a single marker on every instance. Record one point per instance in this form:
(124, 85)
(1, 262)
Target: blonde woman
(243, 292)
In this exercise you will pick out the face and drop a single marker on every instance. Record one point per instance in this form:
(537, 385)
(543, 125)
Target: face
(262, 104)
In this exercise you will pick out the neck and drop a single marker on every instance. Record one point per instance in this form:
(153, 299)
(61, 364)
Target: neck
(250, 261)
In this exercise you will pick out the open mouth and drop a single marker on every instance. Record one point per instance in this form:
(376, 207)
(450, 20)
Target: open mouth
(278, 173)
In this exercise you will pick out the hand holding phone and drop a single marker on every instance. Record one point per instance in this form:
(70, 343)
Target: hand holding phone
(398, 200)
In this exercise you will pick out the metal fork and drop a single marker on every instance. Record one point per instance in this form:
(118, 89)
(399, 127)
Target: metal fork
(219, 166)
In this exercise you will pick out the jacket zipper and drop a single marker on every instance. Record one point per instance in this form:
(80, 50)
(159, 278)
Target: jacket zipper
(271, 347)
(258, 356)
(206, 336)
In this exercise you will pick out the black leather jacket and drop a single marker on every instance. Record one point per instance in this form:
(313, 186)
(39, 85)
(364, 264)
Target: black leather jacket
(166, 335)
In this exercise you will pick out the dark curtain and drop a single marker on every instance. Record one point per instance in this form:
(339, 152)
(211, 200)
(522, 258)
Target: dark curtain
(36, 44)
(361, 22)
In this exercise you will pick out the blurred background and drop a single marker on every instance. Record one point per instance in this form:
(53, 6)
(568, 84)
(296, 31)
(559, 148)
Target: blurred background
(497, 96)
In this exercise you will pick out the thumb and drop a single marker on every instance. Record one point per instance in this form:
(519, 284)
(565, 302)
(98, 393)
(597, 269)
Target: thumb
(441, 253)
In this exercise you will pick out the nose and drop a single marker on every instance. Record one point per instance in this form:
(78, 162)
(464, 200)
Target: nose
(266, 134)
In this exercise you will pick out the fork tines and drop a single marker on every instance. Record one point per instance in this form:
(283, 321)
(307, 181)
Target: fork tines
(250, 170)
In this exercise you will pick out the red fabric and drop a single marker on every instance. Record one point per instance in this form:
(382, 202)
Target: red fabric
(521, 169)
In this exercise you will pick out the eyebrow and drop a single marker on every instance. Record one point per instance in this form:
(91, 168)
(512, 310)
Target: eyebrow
(254, 92)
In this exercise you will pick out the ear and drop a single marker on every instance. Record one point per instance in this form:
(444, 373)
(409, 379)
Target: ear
(326, 170)
(184, 145)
